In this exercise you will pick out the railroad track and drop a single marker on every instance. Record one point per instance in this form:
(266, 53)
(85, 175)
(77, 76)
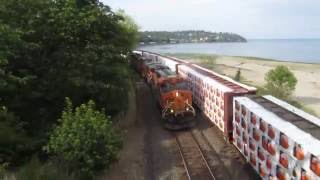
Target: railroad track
(194, 160)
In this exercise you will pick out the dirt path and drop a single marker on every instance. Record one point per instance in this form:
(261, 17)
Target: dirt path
(131, 164)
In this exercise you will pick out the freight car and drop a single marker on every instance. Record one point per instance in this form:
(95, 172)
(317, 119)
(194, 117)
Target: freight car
(170, 90)
(279, 140)
(213, 94)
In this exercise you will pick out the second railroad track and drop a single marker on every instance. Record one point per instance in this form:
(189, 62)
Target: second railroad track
(194, 160)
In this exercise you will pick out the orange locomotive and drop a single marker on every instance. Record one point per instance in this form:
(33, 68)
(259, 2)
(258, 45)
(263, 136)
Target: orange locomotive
(174, 98)
(171, 92)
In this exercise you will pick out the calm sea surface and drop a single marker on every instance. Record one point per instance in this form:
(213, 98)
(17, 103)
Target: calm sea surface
(297, 50)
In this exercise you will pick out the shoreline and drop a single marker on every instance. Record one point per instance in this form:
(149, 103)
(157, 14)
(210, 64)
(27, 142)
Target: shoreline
(248, 57)
(160, 44)
(299, 50)
(253, 70)
(275, 60)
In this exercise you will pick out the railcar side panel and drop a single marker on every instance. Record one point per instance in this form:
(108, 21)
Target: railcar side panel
(276, 142)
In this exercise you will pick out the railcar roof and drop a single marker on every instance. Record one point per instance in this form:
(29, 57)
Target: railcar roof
(222, 79)
(301, 122)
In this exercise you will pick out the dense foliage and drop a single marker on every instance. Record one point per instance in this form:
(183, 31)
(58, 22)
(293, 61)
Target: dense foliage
(13, 140)
(281, 82)
(149, 37)
(52, 49)
(85, 139)
(36, 170)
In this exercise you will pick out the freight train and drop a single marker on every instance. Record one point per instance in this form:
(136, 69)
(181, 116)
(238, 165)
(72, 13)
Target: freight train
(170, 90)
(278, 140)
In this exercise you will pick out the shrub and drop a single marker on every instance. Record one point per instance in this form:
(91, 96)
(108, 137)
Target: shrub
(280, 82)
(85, 139)
(14, 143)
(2, 171)
(237, 77)
(35, 170)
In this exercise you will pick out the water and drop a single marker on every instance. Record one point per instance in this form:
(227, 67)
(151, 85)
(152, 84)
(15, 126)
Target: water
(297, 50)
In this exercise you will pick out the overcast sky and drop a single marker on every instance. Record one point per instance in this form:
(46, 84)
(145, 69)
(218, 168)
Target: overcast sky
(250, 18)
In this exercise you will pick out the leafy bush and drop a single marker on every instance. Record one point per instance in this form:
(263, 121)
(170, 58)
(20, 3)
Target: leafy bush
(85, 139)
(280, 82)
(2, 171)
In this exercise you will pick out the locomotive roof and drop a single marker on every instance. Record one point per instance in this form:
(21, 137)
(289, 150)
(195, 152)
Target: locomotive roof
(303, 128)
(157, 66)
(146, 61)
(150, 63)
(166, 73)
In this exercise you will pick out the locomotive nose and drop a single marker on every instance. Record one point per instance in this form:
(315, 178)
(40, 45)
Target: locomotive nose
(179, 103)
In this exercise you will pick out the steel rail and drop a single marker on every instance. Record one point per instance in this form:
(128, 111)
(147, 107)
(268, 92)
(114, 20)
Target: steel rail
(199, 150)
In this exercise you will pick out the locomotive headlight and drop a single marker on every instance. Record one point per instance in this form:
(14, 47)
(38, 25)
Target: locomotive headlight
(171, 110)
(177, 94)
(187, 109)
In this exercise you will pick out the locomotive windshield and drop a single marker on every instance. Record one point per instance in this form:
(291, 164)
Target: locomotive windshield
(167, 87)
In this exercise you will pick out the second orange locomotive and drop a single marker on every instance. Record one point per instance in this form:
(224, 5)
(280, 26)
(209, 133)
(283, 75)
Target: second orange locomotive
(171, 92)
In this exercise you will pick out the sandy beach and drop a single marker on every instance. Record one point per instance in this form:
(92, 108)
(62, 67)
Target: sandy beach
(253, 71)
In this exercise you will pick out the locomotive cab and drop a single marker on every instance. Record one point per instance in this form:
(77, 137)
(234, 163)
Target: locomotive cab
(176, 102)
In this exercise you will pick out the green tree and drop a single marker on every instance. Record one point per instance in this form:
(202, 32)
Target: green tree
(130, 26)
(52, 49)
(84, 139)
(281, 82)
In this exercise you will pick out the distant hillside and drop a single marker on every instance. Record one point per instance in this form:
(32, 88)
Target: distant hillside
(165, 37)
